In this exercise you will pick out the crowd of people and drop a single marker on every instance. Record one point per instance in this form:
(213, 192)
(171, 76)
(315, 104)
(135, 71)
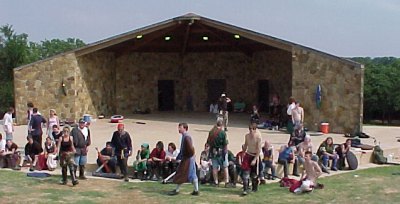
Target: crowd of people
(254, 164)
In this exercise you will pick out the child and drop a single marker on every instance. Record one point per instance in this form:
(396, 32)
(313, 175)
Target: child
(139, 166)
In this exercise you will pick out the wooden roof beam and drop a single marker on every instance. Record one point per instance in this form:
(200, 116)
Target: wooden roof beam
(186, 39)
(233, 44)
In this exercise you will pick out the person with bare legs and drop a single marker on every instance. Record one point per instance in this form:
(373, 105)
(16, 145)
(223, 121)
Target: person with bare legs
(251, 159)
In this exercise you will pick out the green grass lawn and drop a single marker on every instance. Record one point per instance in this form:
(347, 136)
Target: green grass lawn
(375, 185)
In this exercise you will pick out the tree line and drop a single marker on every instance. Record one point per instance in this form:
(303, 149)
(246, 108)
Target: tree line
(381, 79)
(381, 88)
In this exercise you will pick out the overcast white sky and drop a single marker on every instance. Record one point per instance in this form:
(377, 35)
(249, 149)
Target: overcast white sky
(345, 28)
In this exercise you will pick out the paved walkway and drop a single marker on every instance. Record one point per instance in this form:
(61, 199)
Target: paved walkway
(163, 126)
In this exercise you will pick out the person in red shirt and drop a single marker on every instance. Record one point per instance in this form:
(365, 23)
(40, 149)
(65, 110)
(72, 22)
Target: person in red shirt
(156, 160)
(239, 161)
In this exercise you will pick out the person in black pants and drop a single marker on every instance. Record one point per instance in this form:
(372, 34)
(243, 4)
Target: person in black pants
(122, 143)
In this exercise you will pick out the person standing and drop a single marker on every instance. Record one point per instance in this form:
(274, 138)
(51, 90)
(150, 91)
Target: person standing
(67, 152)
(9, 124)
(223, 109)
(82, 141)
(297, 115)
(52, 120)
(186, 170)
(29, 114)
(218, 152)
(251, 160)
(291, 106)
(35, 126)
(122, 143)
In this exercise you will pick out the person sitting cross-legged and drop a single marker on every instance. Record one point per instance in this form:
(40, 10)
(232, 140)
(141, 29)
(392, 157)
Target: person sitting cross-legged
(156, 160)
(32, 151)
(108, 158)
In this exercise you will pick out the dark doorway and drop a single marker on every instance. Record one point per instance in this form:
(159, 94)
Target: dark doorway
(215, 87)
(263, 95)
(166, 95)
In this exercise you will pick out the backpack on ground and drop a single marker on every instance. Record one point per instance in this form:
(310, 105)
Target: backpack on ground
(378, 155)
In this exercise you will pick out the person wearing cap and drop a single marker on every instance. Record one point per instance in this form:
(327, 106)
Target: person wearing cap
(82, 140)
(223, 109)
(140, 165)
(122, 144)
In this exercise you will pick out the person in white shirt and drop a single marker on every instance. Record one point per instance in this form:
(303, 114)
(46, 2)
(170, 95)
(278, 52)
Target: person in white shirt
(9, 124)
(170, 162)
(291, 106)
(2, 145)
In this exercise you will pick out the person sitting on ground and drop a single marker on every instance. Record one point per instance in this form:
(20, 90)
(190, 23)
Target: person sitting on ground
(286, 156)
(107, 154)
(56, 133)
(255, 115)
(205, 165)
(268, 160)
(342, 151)
(309, 175)
(50, 154)
(32, 151)
(232, 169)
(170, 162)
(12, 156)
(239, 162)
(239, 106)
(139, 166)
(326, 152)
(156, 160)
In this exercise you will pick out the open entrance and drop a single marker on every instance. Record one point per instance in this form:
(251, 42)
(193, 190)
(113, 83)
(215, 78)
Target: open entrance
(215, 87)
(263, 95)
(166, 95)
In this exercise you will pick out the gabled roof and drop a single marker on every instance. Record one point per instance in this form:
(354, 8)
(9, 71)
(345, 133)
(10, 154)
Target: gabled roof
(194, 33)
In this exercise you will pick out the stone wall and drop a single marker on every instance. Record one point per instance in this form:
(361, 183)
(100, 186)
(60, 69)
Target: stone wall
(341, 90)
(41, 84)
(96, 87)
(137, 75)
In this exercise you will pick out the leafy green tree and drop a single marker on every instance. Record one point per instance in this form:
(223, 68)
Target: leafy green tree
(16, 50)
(381, 88)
